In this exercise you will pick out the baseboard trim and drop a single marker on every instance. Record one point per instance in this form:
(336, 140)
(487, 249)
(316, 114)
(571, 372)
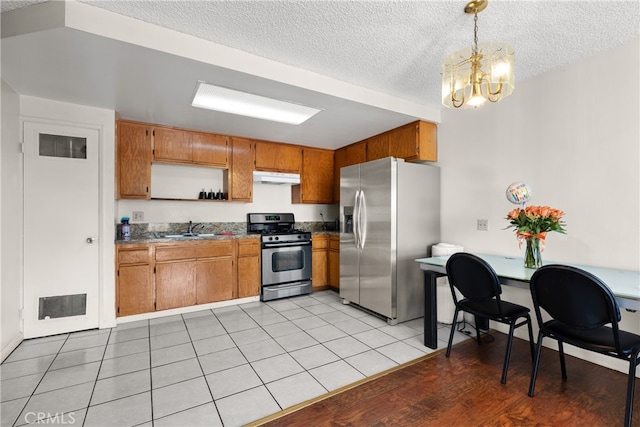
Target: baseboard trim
(11, 345)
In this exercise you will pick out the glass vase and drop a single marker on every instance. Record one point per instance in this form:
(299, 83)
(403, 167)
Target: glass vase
(532, 256)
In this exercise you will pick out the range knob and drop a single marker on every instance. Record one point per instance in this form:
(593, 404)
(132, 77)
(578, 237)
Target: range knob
(277, 238)
(270, 238)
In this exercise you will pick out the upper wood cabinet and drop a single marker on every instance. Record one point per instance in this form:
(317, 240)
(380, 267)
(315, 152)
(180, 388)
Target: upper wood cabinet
(346, 156)
(240, 176)
(277, 157)
(316, 177)
(133, 161)
(415, 141)
(378, 147)
(171, 145)
(210, 149)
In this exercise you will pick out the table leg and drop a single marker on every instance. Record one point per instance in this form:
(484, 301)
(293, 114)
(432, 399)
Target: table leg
(431, 309)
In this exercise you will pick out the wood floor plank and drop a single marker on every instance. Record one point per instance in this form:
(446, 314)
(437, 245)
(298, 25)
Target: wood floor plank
(465, 390)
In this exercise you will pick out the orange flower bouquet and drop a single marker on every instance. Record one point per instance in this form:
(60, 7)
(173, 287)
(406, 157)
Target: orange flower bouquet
(531, 225)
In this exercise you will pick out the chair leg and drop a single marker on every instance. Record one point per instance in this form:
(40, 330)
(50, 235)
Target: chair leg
(453, 330)
(536, 362)
(507, 355)
(531, 343)
(633, 363)
(563, 366)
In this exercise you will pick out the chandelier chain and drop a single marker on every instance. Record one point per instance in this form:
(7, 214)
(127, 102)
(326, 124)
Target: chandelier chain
(475, 33)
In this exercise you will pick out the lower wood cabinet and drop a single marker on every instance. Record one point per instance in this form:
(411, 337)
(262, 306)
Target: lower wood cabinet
(334, 262)
(161, 276)
(320, 261)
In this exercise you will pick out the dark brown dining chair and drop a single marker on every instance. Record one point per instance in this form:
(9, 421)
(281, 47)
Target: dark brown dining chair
(584, 313)
(480, 287)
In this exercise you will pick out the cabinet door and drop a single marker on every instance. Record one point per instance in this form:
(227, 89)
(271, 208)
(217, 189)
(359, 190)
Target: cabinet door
(248, 268)
(346, 156)
(135, 290)
(171, 145)
(133, 161)
(415, 141)
(316, 179)
(214, 280)
(241, 174)
(275, 157)
(209, 149)
(320, 261)
(175, 284)
(378, 147)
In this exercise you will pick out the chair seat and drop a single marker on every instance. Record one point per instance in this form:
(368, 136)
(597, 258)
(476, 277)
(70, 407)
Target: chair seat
(489, 308)
(599, 339)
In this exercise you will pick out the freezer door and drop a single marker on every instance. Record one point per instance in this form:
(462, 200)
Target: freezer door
(349, 252)
(378, 254)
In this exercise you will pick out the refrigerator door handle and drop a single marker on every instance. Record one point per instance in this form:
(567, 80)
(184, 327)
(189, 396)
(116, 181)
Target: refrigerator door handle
(362, 228)
(356, 206)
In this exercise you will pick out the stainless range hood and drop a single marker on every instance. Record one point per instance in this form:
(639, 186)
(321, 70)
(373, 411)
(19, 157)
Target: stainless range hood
(262, 177)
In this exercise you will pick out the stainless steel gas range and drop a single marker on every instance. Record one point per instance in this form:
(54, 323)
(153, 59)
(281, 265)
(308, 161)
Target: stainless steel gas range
(286, 255)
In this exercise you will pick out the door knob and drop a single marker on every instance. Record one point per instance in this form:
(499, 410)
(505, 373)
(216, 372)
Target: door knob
(91, 239)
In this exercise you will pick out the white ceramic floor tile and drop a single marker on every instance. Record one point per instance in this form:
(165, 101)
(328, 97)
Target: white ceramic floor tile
(370, 362)
(221, 360)
(167, 328)
(249, 336)
(242, 408)
(268, 318)
(119, 336)
(131, 325)
(295, 389)
(282, 305)
(127, 348)
(180, 396)
(310, 322)
(207, 321)
(172, 373)
(261, 350)
(95, 340)
(169, 340)
(35, 349)
(206, 332)
(162, 356)
(400, 352)
(66, 377)
(281, 329)
(400, 331)
(25, 367)
(346, 347)
(374, 338)
(231, 381)
(305, 301)
(213, 344)
(195, 314)
(78, 357)
(239, 324)
(335, 317)
(352, 326)
(355, 312)
(376, 322)
(417, 342)
(15, 388)
(166, 319)
(417, 324)
(123, 365)
(67, 399)
(319, 309)
(130, 411)
(312, 357)
(276, 367)
(296, 341)
(201, 416)
(326, 333)
(121, 386)
(296, 313)
(335, 375)
(9, 411)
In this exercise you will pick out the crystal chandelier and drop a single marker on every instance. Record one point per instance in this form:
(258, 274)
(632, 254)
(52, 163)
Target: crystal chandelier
(473, 75)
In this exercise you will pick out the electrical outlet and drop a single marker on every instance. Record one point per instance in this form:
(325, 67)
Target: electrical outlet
(483, 224)
(137, 216)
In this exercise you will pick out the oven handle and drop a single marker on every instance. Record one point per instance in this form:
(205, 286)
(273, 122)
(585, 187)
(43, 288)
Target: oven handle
(281, 245)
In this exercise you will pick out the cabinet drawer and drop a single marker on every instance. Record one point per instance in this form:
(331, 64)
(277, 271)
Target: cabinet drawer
(214, 250)
(174, 253)
(320, 242)
(137, 256)
(248, 248)
(334, 243)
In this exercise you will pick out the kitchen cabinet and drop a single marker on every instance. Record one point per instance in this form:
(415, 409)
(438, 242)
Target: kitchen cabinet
(134, 285)
(214, 271)
(248, 268)
(239, 179)
(210, 149)
(414, 142)
(133, 161)
(378, 147)
(334, 262)
(277, 157)
(320, 261)
(175, 276)
(346, 156)
(316, 177)
(173, 145)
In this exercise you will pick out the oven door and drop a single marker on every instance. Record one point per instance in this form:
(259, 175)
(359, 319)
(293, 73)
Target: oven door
(286, 262)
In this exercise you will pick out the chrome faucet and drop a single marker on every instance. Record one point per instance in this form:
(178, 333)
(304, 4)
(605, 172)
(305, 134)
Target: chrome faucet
(190, 229)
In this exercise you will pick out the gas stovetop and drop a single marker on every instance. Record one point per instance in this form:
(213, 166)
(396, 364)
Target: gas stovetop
(276, 228)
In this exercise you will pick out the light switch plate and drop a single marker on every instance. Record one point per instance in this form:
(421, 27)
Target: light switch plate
(137, 216)
(483, 224)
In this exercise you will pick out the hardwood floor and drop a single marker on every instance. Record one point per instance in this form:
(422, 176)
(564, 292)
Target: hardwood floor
(465, 390)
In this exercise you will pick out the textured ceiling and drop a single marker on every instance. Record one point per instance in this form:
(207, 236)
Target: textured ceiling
(392, 47)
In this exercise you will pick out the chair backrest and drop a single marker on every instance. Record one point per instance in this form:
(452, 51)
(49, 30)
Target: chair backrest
(574, 297)
(473, 277)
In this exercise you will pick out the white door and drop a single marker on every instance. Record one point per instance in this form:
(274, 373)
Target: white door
(61, 226)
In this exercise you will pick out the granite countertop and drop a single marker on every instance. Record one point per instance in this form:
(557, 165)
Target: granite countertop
(154, 238)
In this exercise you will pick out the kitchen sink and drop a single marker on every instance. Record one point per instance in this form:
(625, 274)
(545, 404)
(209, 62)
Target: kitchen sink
(182, 236)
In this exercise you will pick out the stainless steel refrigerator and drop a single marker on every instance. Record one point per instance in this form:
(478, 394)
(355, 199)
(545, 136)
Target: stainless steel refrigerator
(389, 215)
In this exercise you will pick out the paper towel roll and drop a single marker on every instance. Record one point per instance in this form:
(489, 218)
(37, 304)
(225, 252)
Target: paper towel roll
(442, 249)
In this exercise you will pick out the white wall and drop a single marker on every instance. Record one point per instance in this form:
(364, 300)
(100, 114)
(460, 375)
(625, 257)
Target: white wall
(10, 223)
(38, 109)
(573, 136)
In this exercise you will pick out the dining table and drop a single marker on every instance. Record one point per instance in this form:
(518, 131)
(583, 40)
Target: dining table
(625, 284)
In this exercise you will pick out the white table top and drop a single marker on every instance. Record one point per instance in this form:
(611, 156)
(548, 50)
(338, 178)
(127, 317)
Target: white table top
(625, 284)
